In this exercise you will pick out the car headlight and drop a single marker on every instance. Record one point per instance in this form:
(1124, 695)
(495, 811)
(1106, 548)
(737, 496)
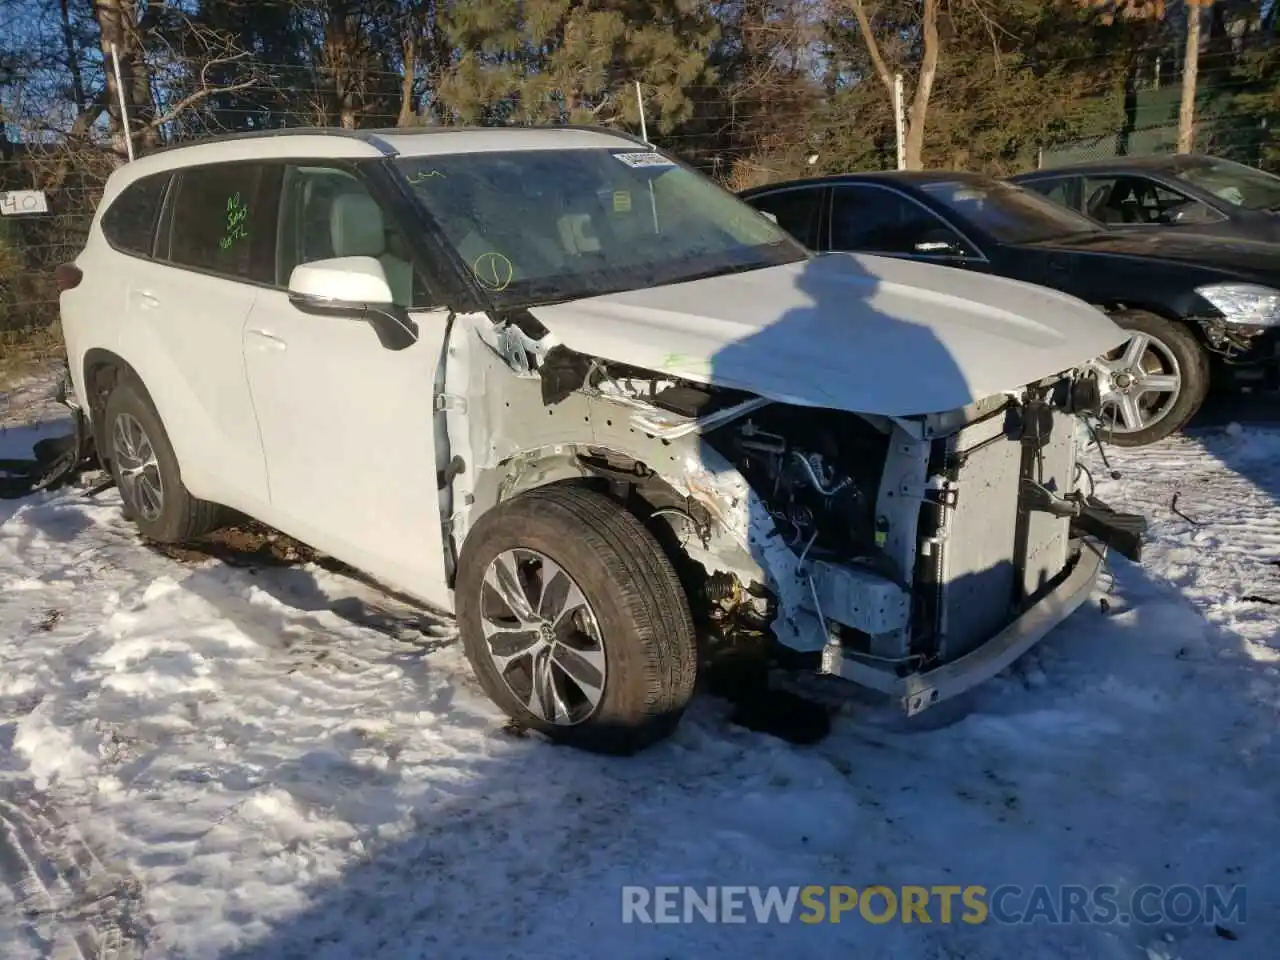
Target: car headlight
(1246, 303)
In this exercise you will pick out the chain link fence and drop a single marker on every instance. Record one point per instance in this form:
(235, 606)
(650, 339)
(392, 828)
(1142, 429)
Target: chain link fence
(33, 244)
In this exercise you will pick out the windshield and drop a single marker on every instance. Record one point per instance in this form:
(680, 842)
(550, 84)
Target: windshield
(545, 225)
(1008, 213)
(1235, 183)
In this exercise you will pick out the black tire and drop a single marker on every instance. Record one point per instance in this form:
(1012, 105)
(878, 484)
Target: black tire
(182, 517)
(646, 630)
(1193, 363)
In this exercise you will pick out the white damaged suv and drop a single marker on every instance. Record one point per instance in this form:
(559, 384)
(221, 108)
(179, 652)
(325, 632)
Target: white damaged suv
(616, 420)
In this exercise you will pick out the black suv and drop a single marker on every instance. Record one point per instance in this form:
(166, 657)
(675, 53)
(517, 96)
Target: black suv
(1201, 309)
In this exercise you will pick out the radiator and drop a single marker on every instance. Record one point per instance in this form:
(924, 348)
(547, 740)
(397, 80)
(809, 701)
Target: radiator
(984, 574)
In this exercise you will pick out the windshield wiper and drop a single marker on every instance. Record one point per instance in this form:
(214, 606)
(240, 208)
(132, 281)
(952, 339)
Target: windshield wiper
(720, 271)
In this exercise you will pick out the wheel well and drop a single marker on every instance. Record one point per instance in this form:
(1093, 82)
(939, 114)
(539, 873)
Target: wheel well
(102, 371)
(1195, 329)
(643, 496)
(687, 532)
(1122, 306)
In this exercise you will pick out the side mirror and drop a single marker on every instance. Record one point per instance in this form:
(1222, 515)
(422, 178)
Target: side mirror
(353, 287)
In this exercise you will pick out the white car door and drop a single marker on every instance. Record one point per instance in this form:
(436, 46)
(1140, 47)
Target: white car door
(347, 424)
(187, 309)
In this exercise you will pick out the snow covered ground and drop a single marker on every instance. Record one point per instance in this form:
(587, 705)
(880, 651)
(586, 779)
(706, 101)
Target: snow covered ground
(200, 759)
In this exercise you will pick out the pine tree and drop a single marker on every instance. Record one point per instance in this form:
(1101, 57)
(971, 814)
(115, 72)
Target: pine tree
(561, 60)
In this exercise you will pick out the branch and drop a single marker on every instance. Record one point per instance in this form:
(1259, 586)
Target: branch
(191, 99)
(992, 28)
(873, 48)
(214, 50)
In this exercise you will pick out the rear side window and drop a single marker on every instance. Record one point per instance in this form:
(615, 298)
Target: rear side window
(1059, 191)
(796, 212)
(130, 222)
(222, 220)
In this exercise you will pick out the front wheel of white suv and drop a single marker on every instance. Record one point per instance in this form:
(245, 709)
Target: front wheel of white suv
(574, 620)
(145, 469)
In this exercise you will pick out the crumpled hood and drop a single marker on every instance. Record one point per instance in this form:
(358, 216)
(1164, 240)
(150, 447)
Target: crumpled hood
(847, 331)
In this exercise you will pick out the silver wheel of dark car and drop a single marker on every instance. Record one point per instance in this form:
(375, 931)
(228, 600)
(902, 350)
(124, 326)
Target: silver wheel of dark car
(138, 469)
(1154, 383)
(1141, 384)
(542, 636)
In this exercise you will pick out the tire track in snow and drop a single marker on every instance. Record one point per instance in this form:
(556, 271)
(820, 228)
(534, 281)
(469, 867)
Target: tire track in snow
(70, 904)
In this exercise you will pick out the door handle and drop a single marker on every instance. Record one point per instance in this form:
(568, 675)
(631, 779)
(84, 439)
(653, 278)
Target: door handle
(266, 339)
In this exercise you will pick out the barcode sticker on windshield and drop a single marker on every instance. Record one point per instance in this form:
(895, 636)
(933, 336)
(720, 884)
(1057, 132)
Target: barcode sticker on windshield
(647, 159)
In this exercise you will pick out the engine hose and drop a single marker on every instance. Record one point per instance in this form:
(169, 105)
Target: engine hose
(815, 480)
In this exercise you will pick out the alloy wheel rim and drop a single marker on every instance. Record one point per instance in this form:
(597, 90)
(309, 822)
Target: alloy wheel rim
(542, 636)
(138, 468)
(1140, 386)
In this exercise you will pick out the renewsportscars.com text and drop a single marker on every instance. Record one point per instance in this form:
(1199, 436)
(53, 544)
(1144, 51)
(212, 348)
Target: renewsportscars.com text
(939, 904)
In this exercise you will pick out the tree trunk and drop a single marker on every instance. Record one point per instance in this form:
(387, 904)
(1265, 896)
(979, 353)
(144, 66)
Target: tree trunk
(73, 56)
(1190, 67)
(410, 48)
(110, 19)
(914, 148)
(118, 25)
(347, 113)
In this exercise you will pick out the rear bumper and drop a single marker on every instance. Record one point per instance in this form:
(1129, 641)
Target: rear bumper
(918, 691)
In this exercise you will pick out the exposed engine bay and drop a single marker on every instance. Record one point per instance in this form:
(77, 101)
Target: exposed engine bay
(892, 546)
(817, 470)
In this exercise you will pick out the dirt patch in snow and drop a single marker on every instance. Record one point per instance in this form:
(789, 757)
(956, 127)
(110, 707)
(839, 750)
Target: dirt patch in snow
(250, 544)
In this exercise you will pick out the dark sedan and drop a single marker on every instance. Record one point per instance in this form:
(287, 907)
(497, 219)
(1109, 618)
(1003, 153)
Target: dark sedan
(1189, 192)
(1200, 308)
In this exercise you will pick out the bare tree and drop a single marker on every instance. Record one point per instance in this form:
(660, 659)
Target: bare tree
(1190, 74)
(929, 50)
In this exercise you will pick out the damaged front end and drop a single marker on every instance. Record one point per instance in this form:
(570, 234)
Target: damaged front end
(914, 555)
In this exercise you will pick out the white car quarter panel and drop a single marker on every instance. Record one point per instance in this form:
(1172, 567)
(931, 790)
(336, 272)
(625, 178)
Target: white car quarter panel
(93, 312)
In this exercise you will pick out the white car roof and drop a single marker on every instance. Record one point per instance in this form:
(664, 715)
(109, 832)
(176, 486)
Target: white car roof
(336, 143)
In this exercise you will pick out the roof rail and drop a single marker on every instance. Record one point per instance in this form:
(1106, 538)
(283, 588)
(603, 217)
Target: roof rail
(368, 136)
(585, 127)
(376, 137)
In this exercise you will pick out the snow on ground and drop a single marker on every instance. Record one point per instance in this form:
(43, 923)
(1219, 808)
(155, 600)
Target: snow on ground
(202, 760)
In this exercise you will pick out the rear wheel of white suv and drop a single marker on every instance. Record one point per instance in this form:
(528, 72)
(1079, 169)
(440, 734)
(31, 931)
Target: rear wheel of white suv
(575, 621)
(146, 471)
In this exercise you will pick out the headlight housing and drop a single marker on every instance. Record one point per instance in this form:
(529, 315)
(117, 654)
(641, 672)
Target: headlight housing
(1244, 303)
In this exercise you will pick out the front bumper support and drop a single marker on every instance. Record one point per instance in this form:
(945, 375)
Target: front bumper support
(917, 692)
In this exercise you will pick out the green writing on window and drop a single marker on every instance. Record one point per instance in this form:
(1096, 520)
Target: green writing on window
(237, 222)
